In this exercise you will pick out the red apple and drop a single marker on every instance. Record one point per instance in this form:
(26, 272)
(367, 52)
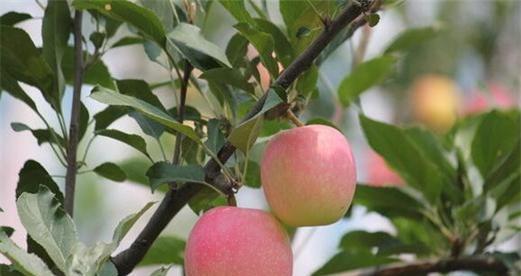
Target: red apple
(231, 241)
(308, 175)
(379, 173)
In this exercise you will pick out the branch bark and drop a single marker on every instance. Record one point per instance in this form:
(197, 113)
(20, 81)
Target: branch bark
(72, 146)
(471, 263)
(175, 199)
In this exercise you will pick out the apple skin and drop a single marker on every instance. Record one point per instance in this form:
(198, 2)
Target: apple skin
(379, 174)
(308, 175)
(231, 241)
(435, 101)
(497, 96)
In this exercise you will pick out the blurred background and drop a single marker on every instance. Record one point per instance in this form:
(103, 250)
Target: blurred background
(471, 64)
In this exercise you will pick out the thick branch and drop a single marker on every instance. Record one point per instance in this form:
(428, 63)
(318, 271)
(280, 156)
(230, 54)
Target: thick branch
(471, 263)
(175, 199)
(72, 147)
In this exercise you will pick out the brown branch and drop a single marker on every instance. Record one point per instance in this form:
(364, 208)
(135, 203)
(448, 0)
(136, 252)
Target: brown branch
(470, 263)
(181, 109)
(72, 146)
(175, 199)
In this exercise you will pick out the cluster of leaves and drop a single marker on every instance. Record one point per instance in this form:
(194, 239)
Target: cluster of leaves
(462, 196)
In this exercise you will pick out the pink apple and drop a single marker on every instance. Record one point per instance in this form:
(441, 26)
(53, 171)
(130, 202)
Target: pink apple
(379, 173)
(497, 96)
(308, 175)
(231, 241)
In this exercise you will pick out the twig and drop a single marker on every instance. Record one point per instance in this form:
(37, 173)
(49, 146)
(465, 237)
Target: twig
(72, 147)
(175, 199)
(472, 263)
(181, 109)
(293, 118)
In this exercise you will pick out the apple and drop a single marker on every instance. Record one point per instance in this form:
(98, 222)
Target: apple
(435, 101)
(498, 96)
(379, 174)
(308, 175)
(231, 241)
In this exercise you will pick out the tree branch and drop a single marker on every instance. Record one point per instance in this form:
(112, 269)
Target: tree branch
(72, 147)
(471, 263)
(175, 199)
(181, 108)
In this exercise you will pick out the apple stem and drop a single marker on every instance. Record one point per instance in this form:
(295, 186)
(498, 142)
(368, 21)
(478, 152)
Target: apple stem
(232, 201)
(294, 119)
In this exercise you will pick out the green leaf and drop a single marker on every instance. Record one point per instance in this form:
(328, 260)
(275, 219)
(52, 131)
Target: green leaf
(487, 148)
(264, 44)
(141, 18)
(165, 250)
(162, 172)
(232, 77)
(31, 176)
(41, 135)
(237, 49)
(132, 140)
(307, 82)
(148, 126)
(504, 169)
(7, 230)
(164, 11)
(110, 97)
(109, 115)
(252, 176)
(372, 19)
(407, 159)
(84, 120)
(206, 199)
(24, 262)
(126, 224)
(348, 260)
(411, 38)
(10, 84)
(48, 224)
(108, 269)
(87, 260)
(96, 74)
(22, 60)
(189, 42)
(238, 10)
(382, 241)
(282, 46)
(127, 41)
(363, 77)
(12, 18)
(192, 152)
(215, 137)
(56, 27)
(388, 201)
(97, 39)
(322, 121)
(9, 270)
(271, 127)
(245, 134)
(111, 171)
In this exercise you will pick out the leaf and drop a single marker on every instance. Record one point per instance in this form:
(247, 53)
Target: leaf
(141, 18)
(31, 176)
(162, 172)
(126, 224)
(348, 260)
(12, 18)
(252, 176)
(127, 41)
(41, 135)
(192, 152)
(487, 149)
(96, 74)
(382, 241)
(164, 12)
(322, 121)
(165, 250)
(87, 260)
(238, 10)
(47, 223)
(215, 137)
(9, 270)
(10, 84)
(206, 199)
(110, 97)
(245, 134)
(7, 230)
(232, 77)
(110, 171)
(236, 50)
(307, 82)
(22, 60)
(282, 46)
(372, 19)
(189, 42)
(264, 44)
(132, 140)
(411, 38)
(388, 201)
(407, 159)
(108, 269)
(504, 169)
(26, 263)
(363, 77)
(56, 27)
(148, 126)
(109, 115)
(84, 120)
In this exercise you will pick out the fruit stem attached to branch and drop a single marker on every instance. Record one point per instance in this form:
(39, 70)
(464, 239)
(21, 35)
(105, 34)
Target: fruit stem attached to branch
(294, 119)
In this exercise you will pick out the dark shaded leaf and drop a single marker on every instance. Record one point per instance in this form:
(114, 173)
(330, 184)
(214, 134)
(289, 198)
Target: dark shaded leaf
(232, 77)
(388, 201)
(132, 140)
(127, 41)
(215, 137)
(12, 18)
(384, 243)
(31, 176)
(282, 46)
(41, 135)
(165, 250)
(264, 44)
(162, 173)
(238, 10)
(252, 176)
(205, 200)
(236, 49)
(96, 74)
(348, 260)
(111, 171)
(10, 84)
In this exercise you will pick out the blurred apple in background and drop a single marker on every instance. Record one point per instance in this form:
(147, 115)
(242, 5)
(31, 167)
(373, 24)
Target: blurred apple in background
(493, 96)
(435, 101)
(379, 174)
